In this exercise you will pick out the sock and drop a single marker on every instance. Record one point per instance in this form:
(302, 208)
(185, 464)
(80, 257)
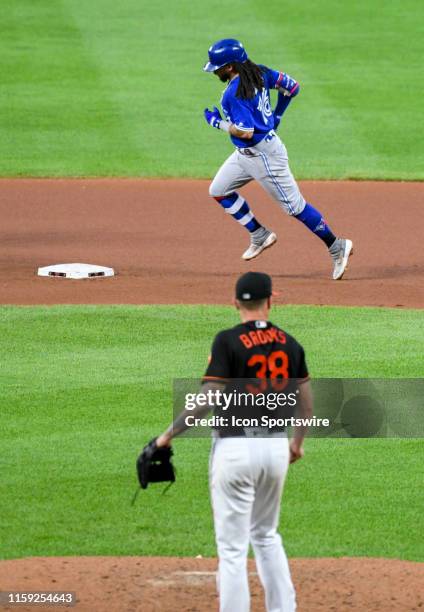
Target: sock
(336, 246)
(259, 235)
(312, 218)
(238, 208)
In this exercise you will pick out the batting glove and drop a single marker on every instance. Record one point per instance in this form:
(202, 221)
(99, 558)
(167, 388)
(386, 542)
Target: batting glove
(213, 117)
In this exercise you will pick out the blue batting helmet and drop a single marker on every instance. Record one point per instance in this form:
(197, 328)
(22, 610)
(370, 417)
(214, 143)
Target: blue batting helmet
(224, 52)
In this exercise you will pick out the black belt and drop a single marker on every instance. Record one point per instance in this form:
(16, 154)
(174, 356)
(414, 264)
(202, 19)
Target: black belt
(247, 152)
(252, 153)
(255, 432)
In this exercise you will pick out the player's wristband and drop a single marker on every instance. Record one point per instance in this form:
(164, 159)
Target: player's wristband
(287, 86)
(224, 125)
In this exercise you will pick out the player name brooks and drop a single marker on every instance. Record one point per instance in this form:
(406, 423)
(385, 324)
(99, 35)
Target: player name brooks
(45, 598)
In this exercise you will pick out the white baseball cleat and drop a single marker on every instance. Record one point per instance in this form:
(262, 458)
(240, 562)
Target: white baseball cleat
(340, 252)
(256, 247)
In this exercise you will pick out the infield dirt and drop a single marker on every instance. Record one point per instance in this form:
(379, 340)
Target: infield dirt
(168, 584)
(169, 242)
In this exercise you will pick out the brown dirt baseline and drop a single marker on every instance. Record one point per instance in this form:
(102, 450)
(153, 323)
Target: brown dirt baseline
(169, 584)
(170, 243)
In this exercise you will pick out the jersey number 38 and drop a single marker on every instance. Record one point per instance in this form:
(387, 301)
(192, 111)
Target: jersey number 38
(274, 366)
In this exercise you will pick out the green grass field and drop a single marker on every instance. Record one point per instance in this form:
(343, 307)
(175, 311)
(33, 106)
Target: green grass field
(104, 88)
(84, 387)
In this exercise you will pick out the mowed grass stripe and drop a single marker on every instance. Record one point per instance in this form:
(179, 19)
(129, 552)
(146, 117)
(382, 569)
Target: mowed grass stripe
(99, 88)
(59, 116)
(84, 387)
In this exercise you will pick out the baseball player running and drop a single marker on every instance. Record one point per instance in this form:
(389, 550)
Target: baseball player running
(260, 154)
(248, 466)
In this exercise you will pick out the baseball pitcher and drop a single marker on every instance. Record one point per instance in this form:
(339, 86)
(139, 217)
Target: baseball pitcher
(248, 465)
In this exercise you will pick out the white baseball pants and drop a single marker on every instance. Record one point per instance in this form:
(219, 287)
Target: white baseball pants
(266, 163)
(246, 480)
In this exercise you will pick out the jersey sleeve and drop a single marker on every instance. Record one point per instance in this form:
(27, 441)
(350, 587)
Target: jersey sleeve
(271, 77)
(281, 80)
(219, 367)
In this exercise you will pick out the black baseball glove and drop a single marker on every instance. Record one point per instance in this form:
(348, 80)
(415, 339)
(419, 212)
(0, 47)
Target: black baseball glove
(154, 464)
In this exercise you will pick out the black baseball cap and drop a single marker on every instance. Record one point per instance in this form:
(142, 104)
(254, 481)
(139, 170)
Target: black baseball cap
(253, 286)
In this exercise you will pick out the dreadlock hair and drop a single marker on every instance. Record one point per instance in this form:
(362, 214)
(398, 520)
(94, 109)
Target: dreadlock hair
(251, 79)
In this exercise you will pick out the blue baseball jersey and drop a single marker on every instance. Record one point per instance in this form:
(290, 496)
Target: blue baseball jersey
(255, 113)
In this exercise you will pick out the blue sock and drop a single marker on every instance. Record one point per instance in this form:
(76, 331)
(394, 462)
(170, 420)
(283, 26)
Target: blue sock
(314, 221)
(236, 206)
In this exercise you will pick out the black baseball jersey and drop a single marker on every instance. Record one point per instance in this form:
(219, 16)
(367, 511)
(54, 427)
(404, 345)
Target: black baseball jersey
(256, 349)
(255, 359)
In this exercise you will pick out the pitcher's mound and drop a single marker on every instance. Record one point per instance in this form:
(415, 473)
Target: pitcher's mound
(169, 584)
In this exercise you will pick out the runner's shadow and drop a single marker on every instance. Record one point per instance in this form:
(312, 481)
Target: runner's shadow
(317, 276)
(383, 272)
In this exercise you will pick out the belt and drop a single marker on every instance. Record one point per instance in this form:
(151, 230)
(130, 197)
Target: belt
(247, 152)
(251, 432)
(251, 152)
